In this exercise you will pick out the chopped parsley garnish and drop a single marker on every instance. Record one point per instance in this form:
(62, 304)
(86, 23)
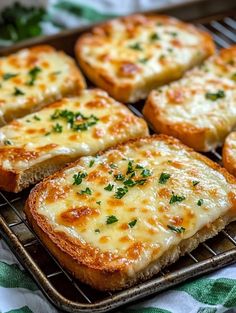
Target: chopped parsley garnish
(74, 119)
(97, 230)
(173, 34)
(119, 177)
(120, 192)
(195, 182)
(109, 187)
(136, 46)
(91, 162)
(170, 50)
(130, 168)
(162, 57)
(57, 128)
(139, 167)
(163, 178)
(7, 76)
(99, 202)
(47, 134)
(200, 202)
(33, 73)
(111, 219)
(7, 142)
(37, 118)
(78, 178)
(175, 198)
(86, 191)
(132, 223)
(177, 229)
(154, 37)
(146, 173)
(129, 183)
(112, 165)
(214, 96)
(233, 77)
(143, 60)
(18, 92)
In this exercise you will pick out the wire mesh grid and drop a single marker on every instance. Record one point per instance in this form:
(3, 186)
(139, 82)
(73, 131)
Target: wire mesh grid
(71, 295)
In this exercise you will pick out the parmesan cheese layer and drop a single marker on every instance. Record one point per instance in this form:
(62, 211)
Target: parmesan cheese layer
(205, 99)
(136, 201)
(142, 50)
(71, 127)
(34, 77)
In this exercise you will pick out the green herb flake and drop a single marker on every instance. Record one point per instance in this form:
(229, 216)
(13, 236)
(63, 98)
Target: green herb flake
(175, 198)
(97, 230)
(120, 192)
(200, 202)
(163, 178)
(139, 167)
(140, 181)
(135, 46)
(7, 76)
(86, 191)
(91, 163)
(195, 182)
(7, 142)
(130, 168)
(173, 34)
(18, 92)
(37, 118)
(57, 128)
(99, 202)
(47, 134)
(154, 37)
(78, 178)
(111, 219)
(132, 223)
(143, 60)
(177, 229)
(112, 165)
(109, 187)
(119, 177)
(146, 173)
(33, 73)
(129, 182)
(214, 96)
(56, 73)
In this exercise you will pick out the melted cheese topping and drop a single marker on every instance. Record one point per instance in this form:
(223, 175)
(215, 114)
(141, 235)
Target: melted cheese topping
(178, 196)
(205, 98)
(101, 121)
(139, 47)
(230, 146)
(33, 77)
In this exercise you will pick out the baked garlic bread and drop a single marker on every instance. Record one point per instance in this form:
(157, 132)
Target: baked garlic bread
(34, 77)
(118, 218)
(130, 56)
(229, 153)
(40, 143)
(200, 108)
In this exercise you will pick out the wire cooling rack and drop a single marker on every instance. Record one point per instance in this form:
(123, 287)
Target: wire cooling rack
(71, 295)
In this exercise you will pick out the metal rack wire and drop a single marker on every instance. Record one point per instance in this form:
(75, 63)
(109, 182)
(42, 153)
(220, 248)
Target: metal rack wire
(71, 295)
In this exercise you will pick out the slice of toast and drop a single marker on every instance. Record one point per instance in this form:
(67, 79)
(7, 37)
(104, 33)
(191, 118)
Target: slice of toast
(229, 153)
(200, 108)
(138, 208)
(37, 145)
(34, 77)
(130, 56)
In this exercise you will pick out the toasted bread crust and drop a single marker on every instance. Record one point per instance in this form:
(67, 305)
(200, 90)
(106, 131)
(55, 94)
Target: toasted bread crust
(76, 83)
(200, 138)
(228, 153)
(129, 91)
(103, 270)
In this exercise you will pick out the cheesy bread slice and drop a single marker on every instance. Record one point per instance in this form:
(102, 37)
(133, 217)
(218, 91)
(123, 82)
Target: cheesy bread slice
(130, 56)
(34, 77)
(40, 143)
(229, 153)
(118, 218)
(200, 108)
